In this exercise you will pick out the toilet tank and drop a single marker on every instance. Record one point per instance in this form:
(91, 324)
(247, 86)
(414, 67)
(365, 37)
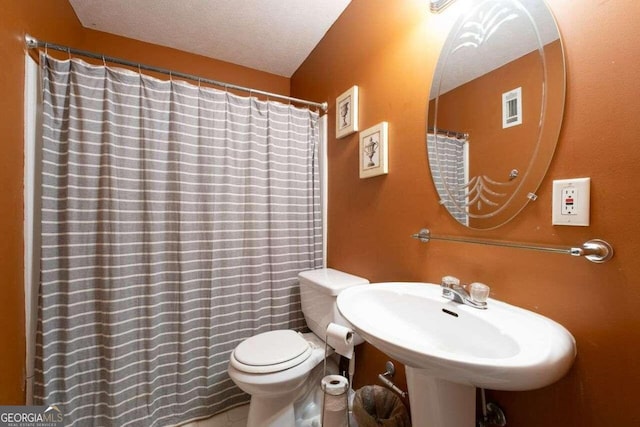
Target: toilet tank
(319, 290)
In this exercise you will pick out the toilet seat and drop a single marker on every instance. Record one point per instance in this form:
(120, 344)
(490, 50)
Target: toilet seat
(271, 351)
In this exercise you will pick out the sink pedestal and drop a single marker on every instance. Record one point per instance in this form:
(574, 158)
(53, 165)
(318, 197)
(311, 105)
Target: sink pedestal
(439, 403)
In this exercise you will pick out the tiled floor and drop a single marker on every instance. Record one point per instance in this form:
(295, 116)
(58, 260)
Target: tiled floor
(236, 417)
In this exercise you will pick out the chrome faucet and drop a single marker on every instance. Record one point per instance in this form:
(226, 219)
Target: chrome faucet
(476, 297)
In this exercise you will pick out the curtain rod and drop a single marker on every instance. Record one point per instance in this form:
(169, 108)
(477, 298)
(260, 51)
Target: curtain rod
(33, 43)
(449, 132)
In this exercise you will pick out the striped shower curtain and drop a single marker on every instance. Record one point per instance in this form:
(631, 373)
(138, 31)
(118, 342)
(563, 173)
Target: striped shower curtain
(449, 169)
(175, 219)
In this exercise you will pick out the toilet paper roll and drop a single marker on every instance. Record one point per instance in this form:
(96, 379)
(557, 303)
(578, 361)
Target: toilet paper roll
(334, 385)
(341, 339)
(334, 407)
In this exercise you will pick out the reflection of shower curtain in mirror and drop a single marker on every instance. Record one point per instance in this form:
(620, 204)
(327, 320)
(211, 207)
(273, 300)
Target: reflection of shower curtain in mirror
(175, 219)
(451, 167)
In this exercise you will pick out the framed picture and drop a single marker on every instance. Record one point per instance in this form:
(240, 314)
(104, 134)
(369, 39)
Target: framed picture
(374, 151)
(347, 113)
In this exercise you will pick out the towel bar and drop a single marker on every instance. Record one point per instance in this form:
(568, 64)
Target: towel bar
(595, 250)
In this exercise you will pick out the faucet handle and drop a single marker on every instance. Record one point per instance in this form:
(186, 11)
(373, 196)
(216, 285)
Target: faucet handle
(479, 292)
(450, 282)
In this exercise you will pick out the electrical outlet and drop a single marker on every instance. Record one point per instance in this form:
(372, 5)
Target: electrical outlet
(568, 201)
(571, 200)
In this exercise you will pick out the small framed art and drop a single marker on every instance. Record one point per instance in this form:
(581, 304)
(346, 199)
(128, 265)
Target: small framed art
(347, 113)
(374, 151)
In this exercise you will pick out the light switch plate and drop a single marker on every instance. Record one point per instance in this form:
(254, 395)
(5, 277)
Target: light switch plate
(571, 202)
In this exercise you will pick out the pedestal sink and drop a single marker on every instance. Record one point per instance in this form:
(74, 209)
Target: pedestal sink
(449, 349)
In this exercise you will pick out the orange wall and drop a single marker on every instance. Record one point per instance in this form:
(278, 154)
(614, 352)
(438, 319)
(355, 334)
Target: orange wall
(55, 21)
(390, 49)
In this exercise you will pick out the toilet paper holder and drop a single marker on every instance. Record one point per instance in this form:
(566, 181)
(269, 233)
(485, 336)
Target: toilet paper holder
(335, 401)
(385, 379)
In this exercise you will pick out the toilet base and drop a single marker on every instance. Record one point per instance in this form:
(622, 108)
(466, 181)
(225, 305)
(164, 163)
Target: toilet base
(276, 412)
(300, 407)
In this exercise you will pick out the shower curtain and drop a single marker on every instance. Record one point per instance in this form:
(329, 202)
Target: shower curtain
(449, 164)
(175, 219)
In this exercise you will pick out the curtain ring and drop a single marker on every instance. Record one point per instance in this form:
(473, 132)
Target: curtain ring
(104, 61)
(170, 77)
(69, 52)
(46, 56)
(199, 83)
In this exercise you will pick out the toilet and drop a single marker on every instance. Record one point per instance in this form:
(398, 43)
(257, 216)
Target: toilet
(282, 369)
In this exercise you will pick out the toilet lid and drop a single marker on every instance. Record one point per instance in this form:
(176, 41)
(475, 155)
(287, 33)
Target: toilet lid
(271, 351)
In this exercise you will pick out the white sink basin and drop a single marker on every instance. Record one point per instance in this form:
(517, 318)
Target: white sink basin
(503, 347)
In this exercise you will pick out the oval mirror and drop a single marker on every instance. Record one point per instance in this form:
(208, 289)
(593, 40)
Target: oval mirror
(495, 110)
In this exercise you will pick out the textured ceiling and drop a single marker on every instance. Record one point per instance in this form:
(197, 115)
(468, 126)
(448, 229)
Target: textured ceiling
(275, 36)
